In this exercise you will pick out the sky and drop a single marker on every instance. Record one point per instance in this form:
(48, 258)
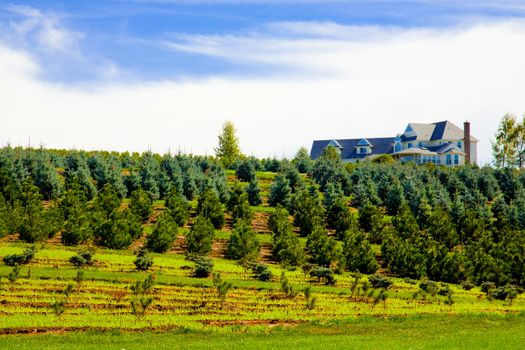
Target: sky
(164, 75)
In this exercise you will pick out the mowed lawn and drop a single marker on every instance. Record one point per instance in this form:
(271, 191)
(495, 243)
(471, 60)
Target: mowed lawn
(422, 332)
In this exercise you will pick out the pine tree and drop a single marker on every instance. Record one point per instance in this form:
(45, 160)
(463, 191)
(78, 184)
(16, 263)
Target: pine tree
(210, 207)
(254, 193)
(243, 243)
(141, 204)
(280, 192)
(302, 161)
(163, 235)
(200, 238)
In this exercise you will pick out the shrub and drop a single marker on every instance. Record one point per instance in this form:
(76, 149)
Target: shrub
(83, 258)
(467, 285)
(323, 274)
(143, 261)
(163, 235)
(429, 287)
(200, 238)
(203, 267)
(377, 281)
(20, 259)
(261, 272)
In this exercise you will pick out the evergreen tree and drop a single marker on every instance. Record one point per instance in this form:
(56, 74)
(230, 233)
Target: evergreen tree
(245, 171)
(178, 207)
(107, 201)
(243, 243)
(324, 250)
(228, 150)
(302, 161)
(37, 223)
(359, 256)
(141, 204)
(163, 235)
(200, 238)
(210, 207)
(286, 246)
(254, 193)
(280, 192)
(308, 210)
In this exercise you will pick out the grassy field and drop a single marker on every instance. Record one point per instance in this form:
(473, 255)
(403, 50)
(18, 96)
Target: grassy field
(191, 313)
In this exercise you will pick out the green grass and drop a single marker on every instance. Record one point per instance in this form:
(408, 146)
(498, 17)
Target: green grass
(424, 332)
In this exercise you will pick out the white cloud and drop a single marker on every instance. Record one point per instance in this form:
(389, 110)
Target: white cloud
(365, 87)
(45, 28)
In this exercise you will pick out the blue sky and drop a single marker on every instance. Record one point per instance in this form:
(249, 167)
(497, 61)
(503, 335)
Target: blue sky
(134, 36)
(363, 68)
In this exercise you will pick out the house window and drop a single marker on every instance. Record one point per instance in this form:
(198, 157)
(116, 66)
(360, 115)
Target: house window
(421, 144)
(410, 145)
(449, 159)
(398, 148)
(363, 150)
(459, 144)
(456, 159)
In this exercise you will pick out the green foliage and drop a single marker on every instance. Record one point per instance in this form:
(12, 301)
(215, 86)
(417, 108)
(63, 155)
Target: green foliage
(323, 274)
(221, 286)
(13, 275)
(324, 250)
(371, 221)
(83, 258)
(107, 201)
(238, 204)
(286, 287)
(142, 300)
(302, 161)
(144, 261)
(163, 235)
(203, 267)
(254, 193)
(243, 243)
(308, 210)
(37, 223)
(141, 204)
(78, 229)
(210, 207)
(261, 272)
(378, 281)
(280, 192)
(200, 237)
(178, 207)
(246, 171)
(286, 247)
(119, 230)
(20, 259)
(359, 256)
(228, 150)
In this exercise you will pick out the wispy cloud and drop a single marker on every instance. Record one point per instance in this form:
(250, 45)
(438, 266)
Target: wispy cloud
(44, 28)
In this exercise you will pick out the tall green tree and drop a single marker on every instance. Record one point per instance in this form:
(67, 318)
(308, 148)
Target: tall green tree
(504, 148)
(228, 150)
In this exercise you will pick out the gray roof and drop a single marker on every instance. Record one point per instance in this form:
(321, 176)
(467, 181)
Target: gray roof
(382, 145)
(444, 130)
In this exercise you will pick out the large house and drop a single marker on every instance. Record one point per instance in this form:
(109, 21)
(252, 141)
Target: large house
(439, 143)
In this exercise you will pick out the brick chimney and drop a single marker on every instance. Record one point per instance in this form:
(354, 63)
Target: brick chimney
(466, 139)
